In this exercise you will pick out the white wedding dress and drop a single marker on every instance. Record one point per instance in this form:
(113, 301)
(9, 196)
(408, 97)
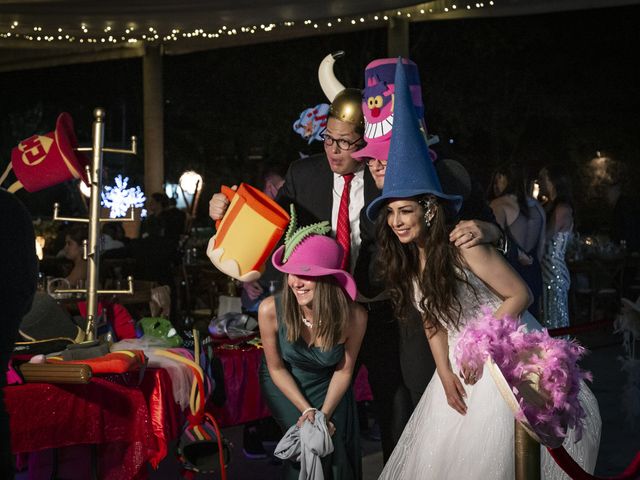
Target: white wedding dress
(438, 443)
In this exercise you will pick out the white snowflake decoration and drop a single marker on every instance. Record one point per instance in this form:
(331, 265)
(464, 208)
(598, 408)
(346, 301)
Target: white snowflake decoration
(119, 199)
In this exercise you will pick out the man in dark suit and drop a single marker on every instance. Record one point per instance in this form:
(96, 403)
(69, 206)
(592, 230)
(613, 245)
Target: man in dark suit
(314, 185)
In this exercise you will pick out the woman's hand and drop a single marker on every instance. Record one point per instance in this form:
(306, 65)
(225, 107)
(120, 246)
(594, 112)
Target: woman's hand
(470, 375)
(310, 415)
(331, 428)
(454, 391)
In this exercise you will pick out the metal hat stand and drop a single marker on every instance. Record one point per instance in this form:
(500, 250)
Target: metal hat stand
(93, 244)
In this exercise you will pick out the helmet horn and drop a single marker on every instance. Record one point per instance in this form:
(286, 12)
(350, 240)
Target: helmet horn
(331, 86)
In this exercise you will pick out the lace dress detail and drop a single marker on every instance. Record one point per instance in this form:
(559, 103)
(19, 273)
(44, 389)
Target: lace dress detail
(556, 282)
(438, 443)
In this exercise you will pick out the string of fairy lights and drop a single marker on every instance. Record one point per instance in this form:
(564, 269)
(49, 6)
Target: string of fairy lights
(129, 33)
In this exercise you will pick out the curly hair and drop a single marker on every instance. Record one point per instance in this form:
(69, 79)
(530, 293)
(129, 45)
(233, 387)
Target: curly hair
(399, 266)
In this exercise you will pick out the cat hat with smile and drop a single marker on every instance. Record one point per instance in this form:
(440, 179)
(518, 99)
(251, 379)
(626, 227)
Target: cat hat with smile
(410, 171)
(378, 104)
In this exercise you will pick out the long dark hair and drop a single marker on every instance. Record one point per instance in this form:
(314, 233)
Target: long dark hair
(516, 184)
(561, 181)
(331, 312)
(399, 266)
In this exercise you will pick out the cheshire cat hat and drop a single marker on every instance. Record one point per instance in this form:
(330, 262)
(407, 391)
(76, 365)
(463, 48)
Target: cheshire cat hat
(42, 161)
(377, 106)
(410, 171)
(308, 252)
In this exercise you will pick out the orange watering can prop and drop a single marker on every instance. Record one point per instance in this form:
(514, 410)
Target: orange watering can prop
(247, 234)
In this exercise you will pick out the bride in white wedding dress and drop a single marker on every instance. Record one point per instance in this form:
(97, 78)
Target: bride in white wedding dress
(440, 443)
(466, 431)
(458, 431)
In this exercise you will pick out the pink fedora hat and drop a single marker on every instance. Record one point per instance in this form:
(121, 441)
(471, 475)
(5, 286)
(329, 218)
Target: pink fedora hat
(316, 256)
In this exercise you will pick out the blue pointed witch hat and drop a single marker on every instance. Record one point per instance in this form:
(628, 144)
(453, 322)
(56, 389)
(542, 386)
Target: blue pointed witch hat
(410, 171)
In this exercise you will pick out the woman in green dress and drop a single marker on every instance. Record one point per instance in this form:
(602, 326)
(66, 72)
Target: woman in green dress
(311, 335)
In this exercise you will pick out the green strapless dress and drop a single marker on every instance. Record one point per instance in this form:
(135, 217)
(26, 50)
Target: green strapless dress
(312, 370)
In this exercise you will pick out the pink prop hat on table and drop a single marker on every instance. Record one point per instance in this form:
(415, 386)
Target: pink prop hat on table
(42, 161)
(307, 252)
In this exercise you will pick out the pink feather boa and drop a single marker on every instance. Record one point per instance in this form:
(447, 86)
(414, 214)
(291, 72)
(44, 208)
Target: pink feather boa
(522, 356)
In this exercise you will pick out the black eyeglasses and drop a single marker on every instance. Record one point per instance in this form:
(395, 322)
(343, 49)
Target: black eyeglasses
(343, 144)
(372, 161)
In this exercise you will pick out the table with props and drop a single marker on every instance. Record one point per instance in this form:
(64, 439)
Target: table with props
(127, 426)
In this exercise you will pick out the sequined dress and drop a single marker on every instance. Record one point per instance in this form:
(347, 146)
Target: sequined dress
(439, 444)
(555, 282)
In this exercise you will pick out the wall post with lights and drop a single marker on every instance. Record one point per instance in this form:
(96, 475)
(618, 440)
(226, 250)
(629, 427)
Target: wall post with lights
(153, 119)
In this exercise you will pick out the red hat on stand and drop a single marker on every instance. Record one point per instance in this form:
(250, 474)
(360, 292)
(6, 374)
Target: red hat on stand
(42, 161)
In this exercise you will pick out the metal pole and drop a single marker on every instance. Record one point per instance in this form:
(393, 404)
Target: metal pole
(93, 257)
(398, 37)
(527, 455)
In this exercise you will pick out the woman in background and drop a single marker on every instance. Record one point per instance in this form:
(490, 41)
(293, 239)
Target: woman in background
(74, 251)
(555, 184)
(523, 219)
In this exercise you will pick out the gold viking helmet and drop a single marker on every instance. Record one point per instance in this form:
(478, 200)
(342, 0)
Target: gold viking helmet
(346, 103)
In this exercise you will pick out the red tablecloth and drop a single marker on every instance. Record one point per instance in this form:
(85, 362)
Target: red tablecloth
(244, 402)
(130, 425)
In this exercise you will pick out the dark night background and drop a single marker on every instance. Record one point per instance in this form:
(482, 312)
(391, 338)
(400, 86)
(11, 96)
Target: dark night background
(539, 89)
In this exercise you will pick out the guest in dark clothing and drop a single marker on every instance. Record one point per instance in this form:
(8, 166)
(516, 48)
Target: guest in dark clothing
(18, 270)
(625, 228)
(157, 248)
(153, 224)
(624, 217)
(523, 219)
(174, 220)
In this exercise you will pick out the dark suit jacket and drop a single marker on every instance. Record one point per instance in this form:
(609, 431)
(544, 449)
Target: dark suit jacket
(309, 187)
